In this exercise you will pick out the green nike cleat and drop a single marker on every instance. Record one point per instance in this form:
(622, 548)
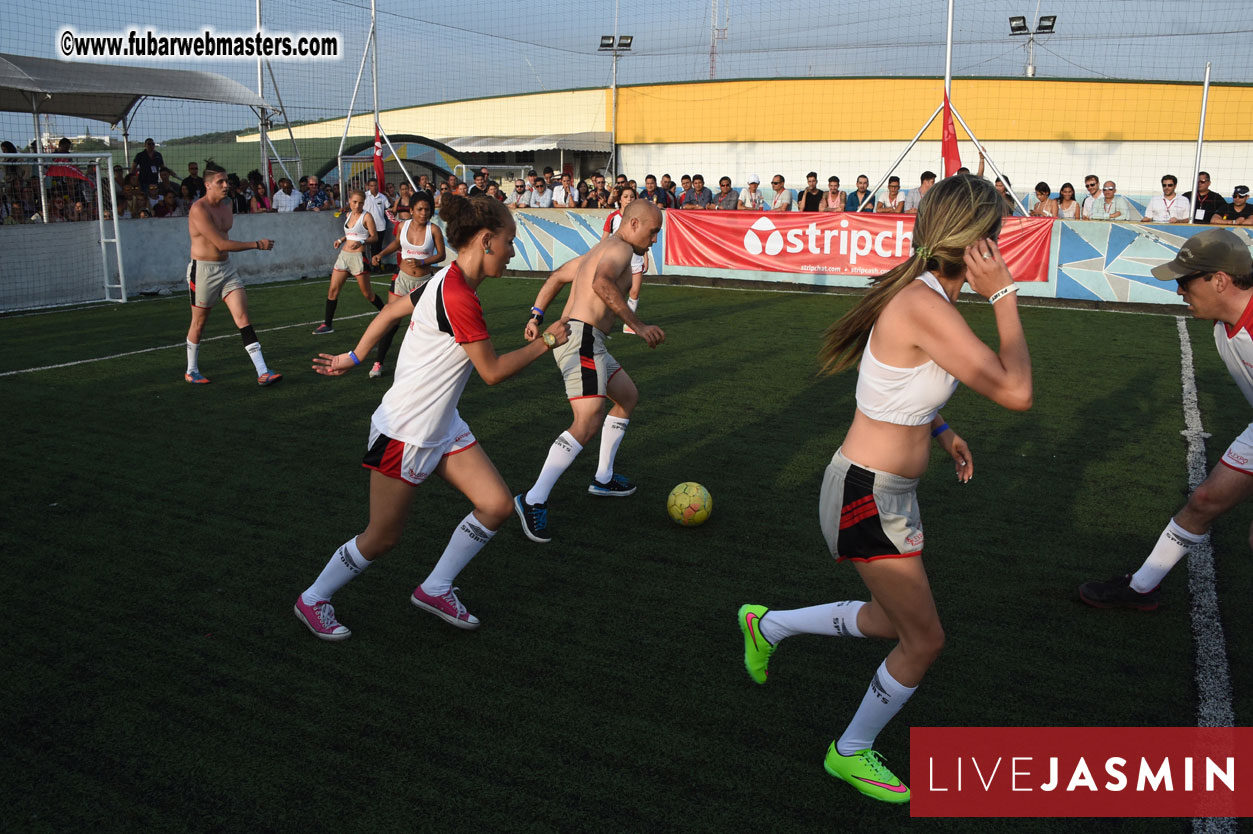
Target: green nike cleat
(866, 771)
(757, 649)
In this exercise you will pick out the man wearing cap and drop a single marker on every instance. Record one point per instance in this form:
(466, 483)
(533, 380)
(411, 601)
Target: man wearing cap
(1239, 213)
(1168, 208)
(1214, 274)
(750, 198)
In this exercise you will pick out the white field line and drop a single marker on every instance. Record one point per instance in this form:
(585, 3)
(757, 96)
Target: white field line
(180, 345)
(1213, 681)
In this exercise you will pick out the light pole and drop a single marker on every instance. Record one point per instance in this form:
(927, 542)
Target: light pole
(617, 44)
(1043, 26)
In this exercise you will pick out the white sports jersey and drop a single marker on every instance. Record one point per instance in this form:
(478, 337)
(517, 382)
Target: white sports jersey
(421, 406)
(1235, 346)
(357, 231)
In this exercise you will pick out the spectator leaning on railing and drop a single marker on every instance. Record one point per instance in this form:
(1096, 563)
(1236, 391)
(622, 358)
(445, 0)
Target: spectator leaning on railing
(1239, 212)
(1169, 207)
(1207, 203)
(1112, 205)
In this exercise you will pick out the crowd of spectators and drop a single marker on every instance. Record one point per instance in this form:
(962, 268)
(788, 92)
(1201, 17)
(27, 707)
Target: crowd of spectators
(148, 188)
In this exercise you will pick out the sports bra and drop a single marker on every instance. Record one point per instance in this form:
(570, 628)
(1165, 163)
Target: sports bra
(425, 251)
(358, 232)
(903, 396)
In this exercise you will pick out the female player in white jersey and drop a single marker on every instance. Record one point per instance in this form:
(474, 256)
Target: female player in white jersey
(358, 231)
(416, 431)
(639, 263)
(421, 244)
(914, 348)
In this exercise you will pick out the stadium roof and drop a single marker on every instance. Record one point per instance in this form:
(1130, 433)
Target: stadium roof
(592, 141)
(106, 92)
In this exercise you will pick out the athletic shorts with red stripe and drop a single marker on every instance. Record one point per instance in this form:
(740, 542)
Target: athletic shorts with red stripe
(586, 366)
(1239, 455)
(410, 463)
(867, 514)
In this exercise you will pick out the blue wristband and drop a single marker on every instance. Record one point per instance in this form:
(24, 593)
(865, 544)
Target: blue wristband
(537, 311)
(352, 354)
(939, 430)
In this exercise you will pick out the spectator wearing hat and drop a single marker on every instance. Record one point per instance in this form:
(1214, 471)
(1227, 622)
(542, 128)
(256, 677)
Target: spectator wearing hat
(751, 199)
(1207, 203)
(1239, 212)
(1169, 207)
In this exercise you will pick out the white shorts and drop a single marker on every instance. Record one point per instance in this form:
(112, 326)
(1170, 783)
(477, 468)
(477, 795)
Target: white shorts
(410, 463)
(1239, 455)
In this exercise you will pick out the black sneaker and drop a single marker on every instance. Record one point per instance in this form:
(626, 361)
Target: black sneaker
(534, 520)
(619, 486)
(1118, 593)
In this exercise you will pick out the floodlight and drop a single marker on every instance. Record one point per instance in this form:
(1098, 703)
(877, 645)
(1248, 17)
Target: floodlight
(624, 41)
(606, 42)
(1045, 26)
(1018, 25)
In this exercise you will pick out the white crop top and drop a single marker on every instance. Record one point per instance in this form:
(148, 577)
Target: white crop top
(904, 396)
(425, 251)
(357, 232)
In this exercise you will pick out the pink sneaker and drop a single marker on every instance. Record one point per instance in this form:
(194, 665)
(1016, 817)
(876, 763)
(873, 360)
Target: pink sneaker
(320, 618)
(447, 607)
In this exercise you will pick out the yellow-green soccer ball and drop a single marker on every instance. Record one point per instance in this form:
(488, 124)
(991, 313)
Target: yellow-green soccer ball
(689, 504)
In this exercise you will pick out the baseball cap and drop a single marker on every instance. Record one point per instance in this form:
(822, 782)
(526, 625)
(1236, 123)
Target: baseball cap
(1214, 250)
(1241, 191)
(754, 178)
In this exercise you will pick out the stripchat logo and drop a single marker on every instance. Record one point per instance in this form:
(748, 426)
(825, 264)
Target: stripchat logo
(753, 243)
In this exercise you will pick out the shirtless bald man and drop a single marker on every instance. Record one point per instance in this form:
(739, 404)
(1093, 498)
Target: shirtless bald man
(598, 283)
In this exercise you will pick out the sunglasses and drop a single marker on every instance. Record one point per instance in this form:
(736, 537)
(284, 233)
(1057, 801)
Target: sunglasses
(776, 182)
(1107, 188)
(1187, 279)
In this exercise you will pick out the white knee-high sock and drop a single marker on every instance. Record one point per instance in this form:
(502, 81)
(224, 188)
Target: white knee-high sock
(466, 542)
(832, 619)
(345, 565)
(1172, 545)
(193, 357)
(258, 361)
(611, 435)
(560, 455)
(883, 700)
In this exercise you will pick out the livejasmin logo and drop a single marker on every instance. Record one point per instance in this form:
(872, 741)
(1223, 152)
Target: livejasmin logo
(1028, 773)
(855, 243)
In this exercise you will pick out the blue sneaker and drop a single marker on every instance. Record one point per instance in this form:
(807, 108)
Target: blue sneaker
(534, 520)
(196, 378)
(619, 486)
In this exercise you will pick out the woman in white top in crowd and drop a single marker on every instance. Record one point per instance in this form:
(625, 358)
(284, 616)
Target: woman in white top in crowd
(416, 430)
(914, 347)
(1045, 205)
(421, 244)
(1067, 205)
(358, 231)
(834, 199)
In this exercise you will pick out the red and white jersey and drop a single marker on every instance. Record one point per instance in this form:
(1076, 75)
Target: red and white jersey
(612, 222)
(1235, 346)
(431, 372)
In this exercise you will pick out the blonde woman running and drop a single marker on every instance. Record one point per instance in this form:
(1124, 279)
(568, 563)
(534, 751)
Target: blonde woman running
(358, 231)
(914, 347)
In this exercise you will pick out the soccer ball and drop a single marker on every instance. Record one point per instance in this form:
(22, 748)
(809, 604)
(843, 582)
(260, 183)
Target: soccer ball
(689, 504)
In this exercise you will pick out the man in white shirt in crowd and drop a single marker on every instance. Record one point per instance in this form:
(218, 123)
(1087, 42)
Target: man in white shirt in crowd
(285, 199)
(564, 194)
(782, 200)
(519, 197)
(1168, 208)
(1093, 185)
(751, 199)
(377, 204)
(541, 197)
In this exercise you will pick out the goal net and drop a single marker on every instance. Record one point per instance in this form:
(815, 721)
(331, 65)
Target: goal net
(58, 230)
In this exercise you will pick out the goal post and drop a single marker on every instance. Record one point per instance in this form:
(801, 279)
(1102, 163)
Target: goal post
(68, 252)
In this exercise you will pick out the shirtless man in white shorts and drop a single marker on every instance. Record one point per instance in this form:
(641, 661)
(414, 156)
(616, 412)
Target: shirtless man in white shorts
(598, 284)
(211, 276)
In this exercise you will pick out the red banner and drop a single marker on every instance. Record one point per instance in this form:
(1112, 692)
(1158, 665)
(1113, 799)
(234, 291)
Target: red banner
(948, 141)
(836, 243)
(1081, 771)
(378, 156)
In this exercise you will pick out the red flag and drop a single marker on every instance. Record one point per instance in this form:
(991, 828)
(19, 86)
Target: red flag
(378, 155)
(269, 164)
(948, 142)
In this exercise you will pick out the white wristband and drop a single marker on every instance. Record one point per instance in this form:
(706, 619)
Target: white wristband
(1001, 293)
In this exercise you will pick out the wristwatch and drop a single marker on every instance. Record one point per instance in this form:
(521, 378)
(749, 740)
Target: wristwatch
(550, 340)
